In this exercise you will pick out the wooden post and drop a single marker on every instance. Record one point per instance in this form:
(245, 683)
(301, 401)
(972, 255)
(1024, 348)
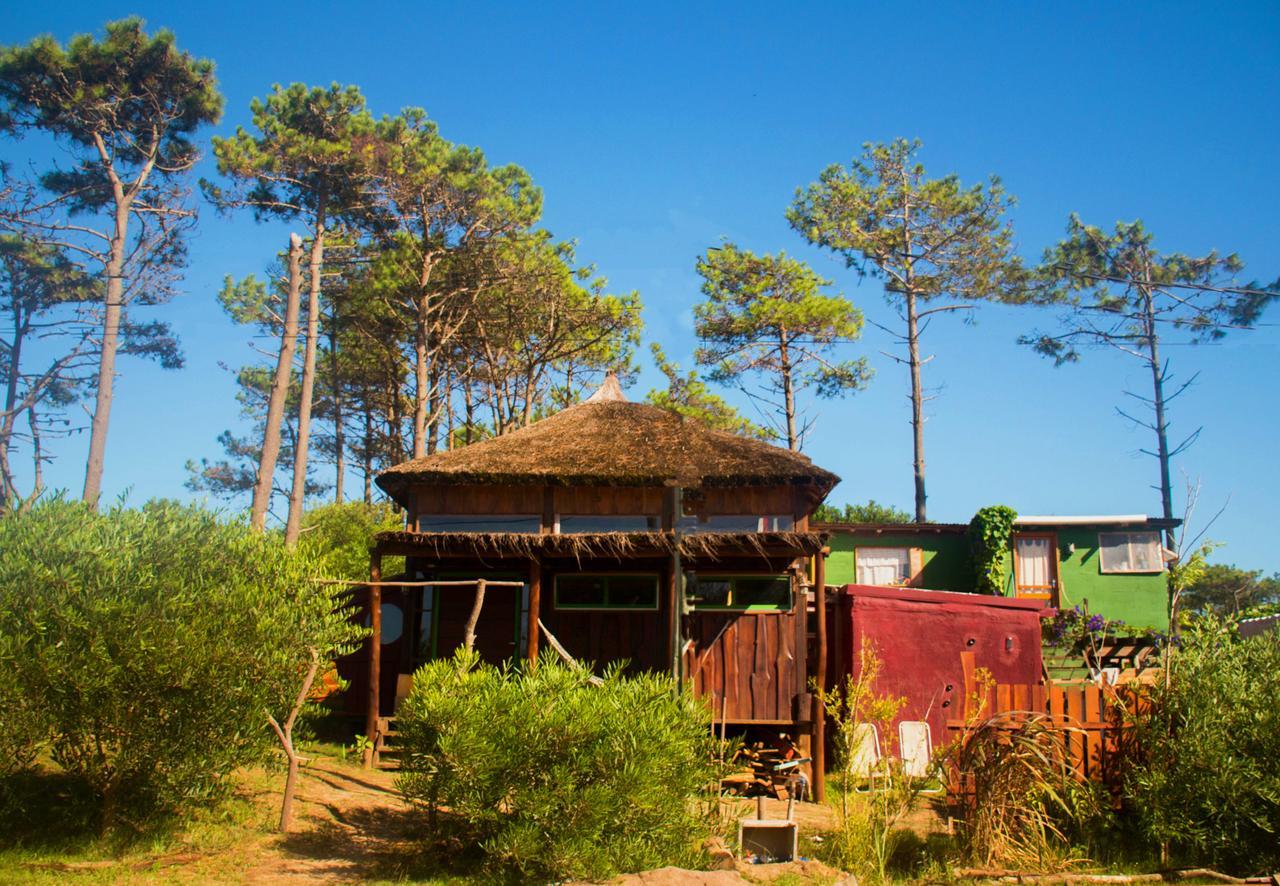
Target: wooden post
(535, 604)
(375, 653)
(819, 712)
(469, 635)
(675, 597)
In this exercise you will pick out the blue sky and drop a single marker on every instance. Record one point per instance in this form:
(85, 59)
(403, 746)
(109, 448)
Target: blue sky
(657, 129)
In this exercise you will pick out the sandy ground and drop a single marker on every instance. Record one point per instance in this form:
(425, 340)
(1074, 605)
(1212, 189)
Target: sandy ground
(351, 825)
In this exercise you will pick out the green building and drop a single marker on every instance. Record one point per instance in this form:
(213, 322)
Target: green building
(1113, 565)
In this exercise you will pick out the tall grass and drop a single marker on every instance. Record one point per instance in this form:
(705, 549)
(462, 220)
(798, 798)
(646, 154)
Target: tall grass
(1023, 805)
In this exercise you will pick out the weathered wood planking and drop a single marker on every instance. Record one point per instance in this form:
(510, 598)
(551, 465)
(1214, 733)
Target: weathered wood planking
(745, 500)
(479, 500)
(603, 636)
(747, 663)
(609, 500)
(1097, 717)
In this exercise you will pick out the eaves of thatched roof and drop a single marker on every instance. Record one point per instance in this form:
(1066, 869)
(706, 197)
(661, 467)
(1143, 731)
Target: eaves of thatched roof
(607, 441)
(704, 546)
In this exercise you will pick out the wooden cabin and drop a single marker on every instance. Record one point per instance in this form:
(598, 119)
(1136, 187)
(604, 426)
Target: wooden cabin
(615, 531)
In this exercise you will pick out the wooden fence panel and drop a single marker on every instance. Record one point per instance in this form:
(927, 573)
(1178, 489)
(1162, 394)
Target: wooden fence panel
(1096, 717)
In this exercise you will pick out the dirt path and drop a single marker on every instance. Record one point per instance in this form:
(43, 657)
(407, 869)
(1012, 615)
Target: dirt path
(352, 825)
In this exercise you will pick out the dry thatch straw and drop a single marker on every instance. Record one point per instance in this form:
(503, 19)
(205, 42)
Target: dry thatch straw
(611, 442)
(606, 545)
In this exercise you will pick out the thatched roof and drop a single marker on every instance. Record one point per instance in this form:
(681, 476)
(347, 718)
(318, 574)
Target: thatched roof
(698, 546)
(609, 441)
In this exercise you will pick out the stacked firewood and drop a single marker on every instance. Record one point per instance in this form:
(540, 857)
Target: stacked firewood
(770, 767)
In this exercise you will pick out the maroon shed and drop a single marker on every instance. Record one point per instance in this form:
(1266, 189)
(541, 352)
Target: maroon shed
(919, 636)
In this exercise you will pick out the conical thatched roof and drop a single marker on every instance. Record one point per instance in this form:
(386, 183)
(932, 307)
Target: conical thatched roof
(609, 441)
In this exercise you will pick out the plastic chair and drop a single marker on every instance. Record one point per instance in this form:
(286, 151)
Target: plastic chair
(915, 739)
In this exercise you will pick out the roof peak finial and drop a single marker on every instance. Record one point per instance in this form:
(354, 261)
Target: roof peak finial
(610, 391)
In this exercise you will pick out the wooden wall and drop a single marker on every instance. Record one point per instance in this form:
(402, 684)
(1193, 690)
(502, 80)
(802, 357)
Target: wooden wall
(603, 636)
(742, 500)
(609, 500)
(477, 499)
(754, 660)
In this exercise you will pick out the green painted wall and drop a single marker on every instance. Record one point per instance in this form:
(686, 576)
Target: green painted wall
(1138, 600)
(945, 556)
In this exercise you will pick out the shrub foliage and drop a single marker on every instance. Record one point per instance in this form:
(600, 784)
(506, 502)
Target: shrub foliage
(555, 777)
(152, 644)
(1208, 784)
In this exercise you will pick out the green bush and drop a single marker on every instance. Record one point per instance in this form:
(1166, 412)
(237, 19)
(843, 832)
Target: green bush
(1207, 784)
(151, 642)
(24, 728)
(339, 535)
(555, 777)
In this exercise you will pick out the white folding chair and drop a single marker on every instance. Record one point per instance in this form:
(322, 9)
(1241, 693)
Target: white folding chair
(866, 761)
(915, 739)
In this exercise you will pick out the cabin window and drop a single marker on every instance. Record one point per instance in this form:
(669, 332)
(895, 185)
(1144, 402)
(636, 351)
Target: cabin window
(737, 523)
(884, 567)
(570, 523)
(585, 590)
(751, 593)
(1035, 565)
(1130, 552)
(526, 523)
(392, 623)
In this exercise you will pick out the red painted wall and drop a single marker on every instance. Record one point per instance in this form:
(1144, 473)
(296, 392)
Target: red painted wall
(919, 636)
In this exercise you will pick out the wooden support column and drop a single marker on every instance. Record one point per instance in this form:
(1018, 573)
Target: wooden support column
(535, 605)
(375, 652)
(819, 712)
(671, 508)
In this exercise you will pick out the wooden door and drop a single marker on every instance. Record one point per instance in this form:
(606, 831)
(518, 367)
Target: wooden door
(1035, 566)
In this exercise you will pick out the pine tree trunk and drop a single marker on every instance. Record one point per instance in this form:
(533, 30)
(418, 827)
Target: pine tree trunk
(279, 391)
(367, 449)
(917, 405)
(469, 411)
(293, 526)
(107, 358)
(448, 430)
(1162, 427)
(788, 394)
(8, 488)
(37, 456)
(422, 380)
(433, 399)
(339, 437)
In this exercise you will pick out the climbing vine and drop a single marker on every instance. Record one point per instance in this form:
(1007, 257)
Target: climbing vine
(990, 531)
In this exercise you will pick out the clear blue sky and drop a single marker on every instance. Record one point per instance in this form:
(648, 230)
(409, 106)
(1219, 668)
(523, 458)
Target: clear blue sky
(655, 130)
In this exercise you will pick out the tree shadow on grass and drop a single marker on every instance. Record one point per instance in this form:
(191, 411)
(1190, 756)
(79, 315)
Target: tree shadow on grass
(49, 812)
(379, 843)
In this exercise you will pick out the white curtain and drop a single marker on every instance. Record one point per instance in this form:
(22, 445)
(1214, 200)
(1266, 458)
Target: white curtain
(883, 566)
(1035, 569)
(1131, 552)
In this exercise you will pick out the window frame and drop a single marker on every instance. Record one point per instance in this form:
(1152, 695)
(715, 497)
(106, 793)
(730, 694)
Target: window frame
(1036, 592)
(751, 607)
(915, 562)
(701, 523)
(535, 521)
(654, 519)
(1154, 535)
(606, 606)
